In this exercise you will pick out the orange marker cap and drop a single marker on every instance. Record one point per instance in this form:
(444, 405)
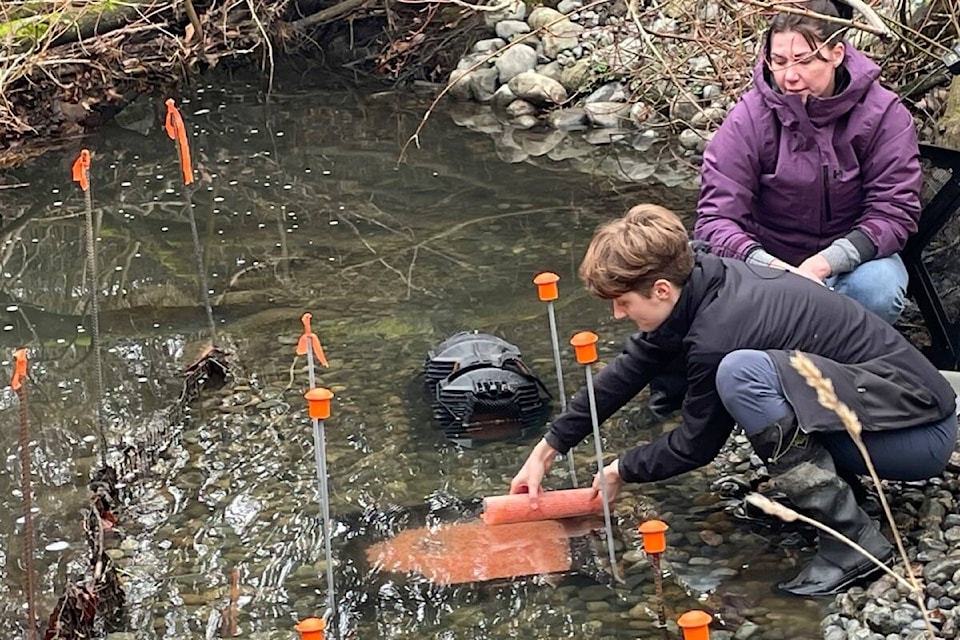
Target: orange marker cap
(81, 169)
(654, 535)
(585, 345)
(547, 286)
(308, 339)
(19, 369)
(318, 401)
(311, 628)
(176, 131)
(695, 625)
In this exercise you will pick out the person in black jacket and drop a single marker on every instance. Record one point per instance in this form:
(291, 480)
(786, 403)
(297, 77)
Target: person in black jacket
(735, 326)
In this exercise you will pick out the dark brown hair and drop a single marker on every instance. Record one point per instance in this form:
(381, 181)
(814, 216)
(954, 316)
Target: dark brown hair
(814, 31)
(629, 254)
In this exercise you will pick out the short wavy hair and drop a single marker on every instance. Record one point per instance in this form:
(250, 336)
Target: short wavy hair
(629, 254)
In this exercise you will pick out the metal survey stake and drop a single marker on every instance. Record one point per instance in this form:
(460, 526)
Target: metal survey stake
(178, 132)
(548, 291)
(585, 345)
(319, 406)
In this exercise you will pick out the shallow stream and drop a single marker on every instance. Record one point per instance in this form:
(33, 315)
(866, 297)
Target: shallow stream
(304, 207)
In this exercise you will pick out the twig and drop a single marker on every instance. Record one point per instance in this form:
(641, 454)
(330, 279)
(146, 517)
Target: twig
(327, 15)
(195, 21)
(266, 41)
(877, 30)
(870, 14)
(453, 229)
(465, 5)
(681, 87)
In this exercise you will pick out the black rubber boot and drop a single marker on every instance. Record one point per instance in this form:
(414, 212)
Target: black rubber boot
(866, 498)
(804, 470)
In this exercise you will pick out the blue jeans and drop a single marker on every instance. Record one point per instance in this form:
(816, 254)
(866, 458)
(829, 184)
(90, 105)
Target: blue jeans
(879, 285)
(750, 389)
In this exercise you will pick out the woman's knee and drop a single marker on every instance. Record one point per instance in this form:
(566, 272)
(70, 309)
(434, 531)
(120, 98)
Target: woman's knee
(879, 285)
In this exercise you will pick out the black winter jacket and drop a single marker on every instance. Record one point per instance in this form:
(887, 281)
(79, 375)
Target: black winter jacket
(728, 305)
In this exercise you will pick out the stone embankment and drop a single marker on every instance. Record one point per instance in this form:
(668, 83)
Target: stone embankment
(580, 66)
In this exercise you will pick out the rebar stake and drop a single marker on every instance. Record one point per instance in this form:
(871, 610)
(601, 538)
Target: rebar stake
(81, 175)
(17, 383)
(654, 544)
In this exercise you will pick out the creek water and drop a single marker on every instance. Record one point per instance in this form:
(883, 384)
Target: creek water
(304, 207)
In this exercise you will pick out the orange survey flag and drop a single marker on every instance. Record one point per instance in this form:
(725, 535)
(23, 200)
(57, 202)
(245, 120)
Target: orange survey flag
(308, 339)
(19, 369)
(81, 169)
(176, 131)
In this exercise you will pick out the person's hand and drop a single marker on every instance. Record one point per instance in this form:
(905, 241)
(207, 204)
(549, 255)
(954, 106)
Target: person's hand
(780, 264)
(611, 476)
(531, 474)
(815, 267)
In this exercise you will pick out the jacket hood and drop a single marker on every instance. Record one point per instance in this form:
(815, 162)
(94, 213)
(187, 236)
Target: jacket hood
(862, 71)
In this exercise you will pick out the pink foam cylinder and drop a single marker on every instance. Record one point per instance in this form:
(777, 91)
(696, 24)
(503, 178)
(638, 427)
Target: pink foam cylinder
(552, 505)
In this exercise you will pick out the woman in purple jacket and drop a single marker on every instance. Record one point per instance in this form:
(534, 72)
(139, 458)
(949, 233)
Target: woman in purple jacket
(817, 168)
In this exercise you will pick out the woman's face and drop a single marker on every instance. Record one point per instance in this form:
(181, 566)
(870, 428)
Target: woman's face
(801, 69)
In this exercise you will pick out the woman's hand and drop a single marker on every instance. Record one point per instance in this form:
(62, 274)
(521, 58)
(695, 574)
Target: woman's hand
(808, 272)
(815, 267)
(611, 476)
(531, 474)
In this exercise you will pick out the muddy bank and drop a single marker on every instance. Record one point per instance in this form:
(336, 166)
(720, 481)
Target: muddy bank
(66, 71)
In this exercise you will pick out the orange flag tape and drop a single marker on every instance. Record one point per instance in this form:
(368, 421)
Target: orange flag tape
(176, 131)
(81, 169)
(310, 339)
(19, 369)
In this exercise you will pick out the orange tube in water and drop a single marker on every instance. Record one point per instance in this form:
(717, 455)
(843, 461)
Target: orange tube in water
(552, 505)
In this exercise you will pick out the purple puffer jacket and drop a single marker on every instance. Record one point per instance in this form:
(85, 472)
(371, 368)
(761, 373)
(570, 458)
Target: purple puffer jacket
(792, 179)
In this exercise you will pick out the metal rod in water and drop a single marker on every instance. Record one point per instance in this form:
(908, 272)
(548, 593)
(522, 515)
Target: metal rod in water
(95, 314)
(608, 525)
(320, 458)
(562, 389)
(198, 253)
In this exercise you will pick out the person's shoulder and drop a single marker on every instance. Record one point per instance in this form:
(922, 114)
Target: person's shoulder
(882, 97)
(750, 105)
(880, 109)
(745, 122)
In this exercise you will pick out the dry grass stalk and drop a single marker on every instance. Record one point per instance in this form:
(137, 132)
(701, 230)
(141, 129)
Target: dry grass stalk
(828, 399)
